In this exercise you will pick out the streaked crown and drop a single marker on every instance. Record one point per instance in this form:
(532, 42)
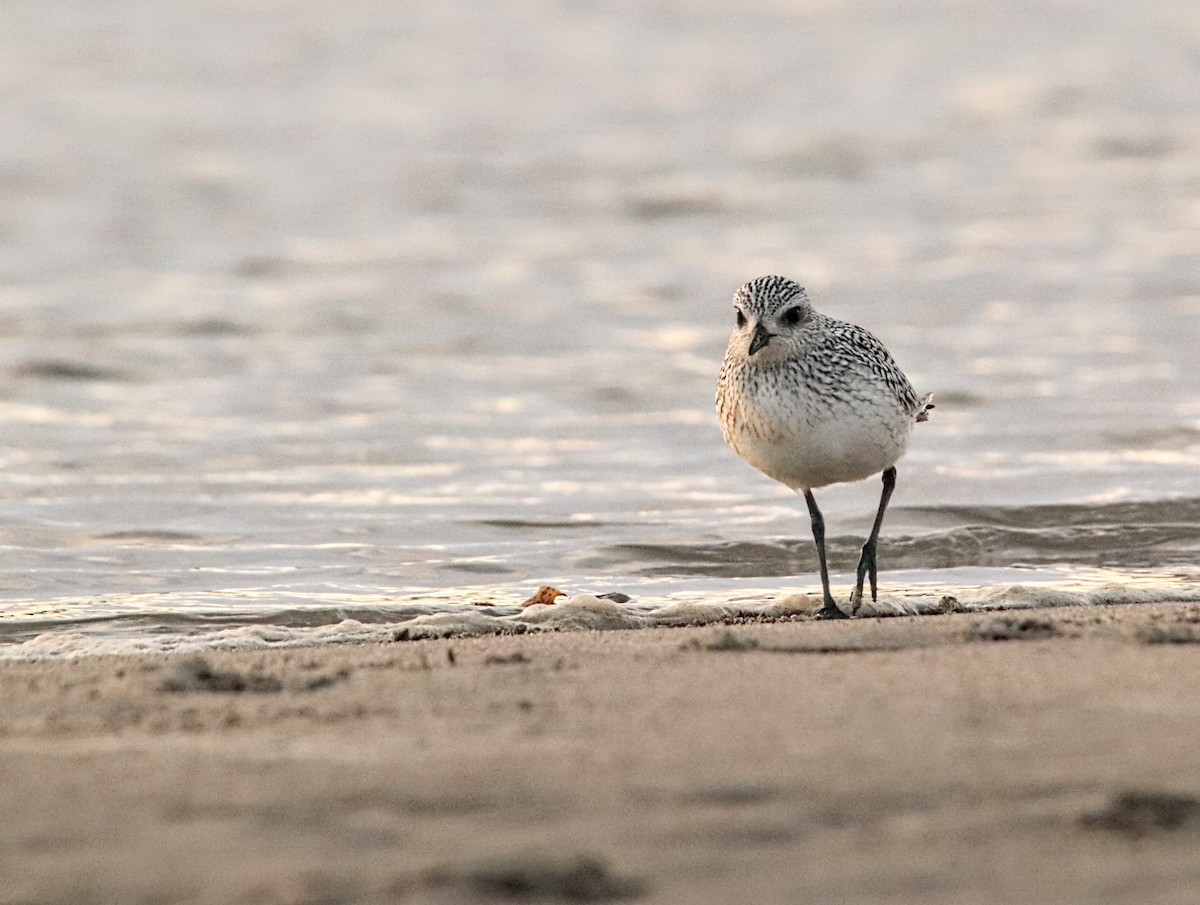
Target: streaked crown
(765, 296)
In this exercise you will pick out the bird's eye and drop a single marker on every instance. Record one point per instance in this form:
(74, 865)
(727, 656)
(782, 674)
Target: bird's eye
(792, 316)
(741, 320)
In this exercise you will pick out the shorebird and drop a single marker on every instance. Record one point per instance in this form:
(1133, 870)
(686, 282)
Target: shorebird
(811, 401)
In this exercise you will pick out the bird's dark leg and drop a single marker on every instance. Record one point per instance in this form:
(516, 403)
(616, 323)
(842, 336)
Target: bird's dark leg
(866, 564)
(829, 609)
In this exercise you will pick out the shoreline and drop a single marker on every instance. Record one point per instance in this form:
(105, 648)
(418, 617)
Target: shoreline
(380, 620)
(963, 757)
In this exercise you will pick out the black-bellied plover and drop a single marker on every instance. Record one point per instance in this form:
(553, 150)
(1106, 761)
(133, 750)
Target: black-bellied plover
(811, 401)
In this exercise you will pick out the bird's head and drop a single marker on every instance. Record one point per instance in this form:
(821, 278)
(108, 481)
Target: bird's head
(773, 318)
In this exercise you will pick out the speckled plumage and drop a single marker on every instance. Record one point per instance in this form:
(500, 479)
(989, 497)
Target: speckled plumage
(811, 401)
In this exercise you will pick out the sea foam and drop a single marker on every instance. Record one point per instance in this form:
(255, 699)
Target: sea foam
(581, 612)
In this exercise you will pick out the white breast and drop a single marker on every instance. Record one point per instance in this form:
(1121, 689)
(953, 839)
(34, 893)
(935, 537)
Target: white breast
(807, 449)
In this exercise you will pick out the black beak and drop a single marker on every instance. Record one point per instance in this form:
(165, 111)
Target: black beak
(760, 338)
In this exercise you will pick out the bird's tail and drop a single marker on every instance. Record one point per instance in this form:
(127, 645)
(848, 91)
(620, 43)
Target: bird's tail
(924, 407)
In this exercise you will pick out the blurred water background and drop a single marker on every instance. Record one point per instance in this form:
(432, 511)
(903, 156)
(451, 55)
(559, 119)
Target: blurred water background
(319, 315)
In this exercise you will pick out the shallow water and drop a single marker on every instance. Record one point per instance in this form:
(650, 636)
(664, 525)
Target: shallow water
(371, 313)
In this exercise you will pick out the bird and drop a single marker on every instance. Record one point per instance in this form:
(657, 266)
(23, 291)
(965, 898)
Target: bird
(810, 401)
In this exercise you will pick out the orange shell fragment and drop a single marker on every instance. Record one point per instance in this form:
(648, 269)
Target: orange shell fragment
(545, 594)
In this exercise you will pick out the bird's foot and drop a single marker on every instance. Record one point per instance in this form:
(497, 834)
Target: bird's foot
(867, 569)
(829, 610)
(856, 600)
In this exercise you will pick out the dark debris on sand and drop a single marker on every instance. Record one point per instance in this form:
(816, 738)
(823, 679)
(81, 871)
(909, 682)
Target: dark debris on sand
(1138, 814)
(197, 674)
(1174, 633)
(56, 369)
(581, 879)
(1014, 628)
(506, 659)
(409, 634)
(728, 641)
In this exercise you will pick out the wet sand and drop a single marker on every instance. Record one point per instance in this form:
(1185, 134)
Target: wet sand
(1004, 757)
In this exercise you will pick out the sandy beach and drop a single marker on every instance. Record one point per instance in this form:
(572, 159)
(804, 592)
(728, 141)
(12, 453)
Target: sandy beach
(1042, 756)
(325, 322)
